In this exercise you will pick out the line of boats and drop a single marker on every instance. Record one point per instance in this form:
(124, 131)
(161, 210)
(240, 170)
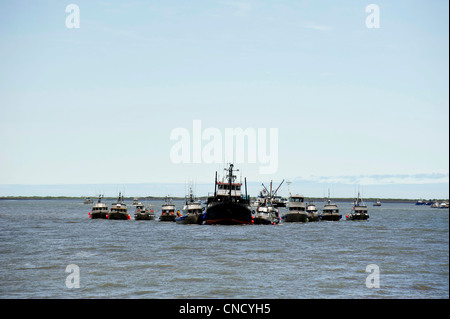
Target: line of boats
(433, 203)
(230, 205)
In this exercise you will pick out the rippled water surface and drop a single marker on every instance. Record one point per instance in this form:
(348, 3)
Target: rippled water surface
(152, 259)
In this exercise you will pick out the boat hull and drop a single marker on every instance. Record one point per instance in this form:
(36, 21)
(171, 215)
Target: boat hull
(265, 221)
(195, 219)
(98, 215)
(358, 216)
(331, 217)
(167, 218)
(118, 216)
(144, 217)
(295, 217)
(228, 213)
(313, 217)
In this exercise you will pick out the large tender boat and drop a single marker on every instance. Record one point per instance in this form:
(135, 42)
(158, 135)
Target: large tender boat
(296, 209)
(168, 211)
(359, 210)
(192, 211)
(119, 209)
(228, 206)
(99, 210)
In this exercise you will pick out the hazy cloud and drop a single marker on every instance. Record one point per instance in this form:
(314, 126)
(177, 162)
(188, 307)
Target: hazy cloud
(319, 27)
(378, 179)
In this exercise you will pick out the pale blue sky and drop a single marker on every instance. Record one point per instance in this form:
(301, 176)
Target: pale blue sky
(97, 104)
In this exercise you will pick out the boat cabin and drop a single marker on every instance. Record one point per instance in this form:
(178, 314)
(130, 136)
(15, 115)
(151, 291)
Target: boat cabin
(297, 202)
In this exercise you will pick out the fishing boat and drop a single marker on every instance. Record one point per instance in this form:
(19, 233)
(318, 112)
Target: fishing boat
(296, 210)
(119, 210)
(143, 213)
(168, 211)
(228, 206)
(377, 203)
(312, 212)
(330, 212)
(435, 204)
(359, 210)
(99, 210)
(420, 202)
(192, 212)
(88, 200)
(266, 214)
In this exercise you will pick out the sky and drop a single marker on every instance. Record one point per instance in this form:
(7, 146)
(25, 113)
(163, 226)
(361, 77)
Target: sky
(352, 105)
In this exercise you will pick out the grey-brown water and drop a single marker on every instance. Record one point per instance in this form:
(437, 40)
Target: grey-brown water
(152, 259)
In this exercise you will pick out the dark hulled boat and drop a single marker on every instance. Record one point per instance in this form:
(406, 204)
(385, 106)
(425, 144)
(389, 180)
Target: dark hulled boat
(296, 210)
(192, 211)
(359, 210)
(330, 212)
(228, 206)
(168, 211)
(119, 210)
(143, 213)
(99, 210)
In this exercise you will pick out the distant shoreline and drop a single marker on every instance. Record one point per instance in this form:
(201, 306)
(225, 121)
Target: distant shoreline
(316, 199)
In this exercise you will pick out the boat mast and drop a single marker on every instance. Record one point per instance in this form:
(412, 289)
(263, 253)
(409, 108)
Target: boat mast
(246, 196)
(215, 187)
(274, 193)
(270, 194)
(230, 179)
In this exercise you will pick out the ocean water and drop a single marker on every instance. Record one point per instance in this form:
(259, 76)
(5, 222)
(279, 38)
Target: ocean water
(150, 259)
